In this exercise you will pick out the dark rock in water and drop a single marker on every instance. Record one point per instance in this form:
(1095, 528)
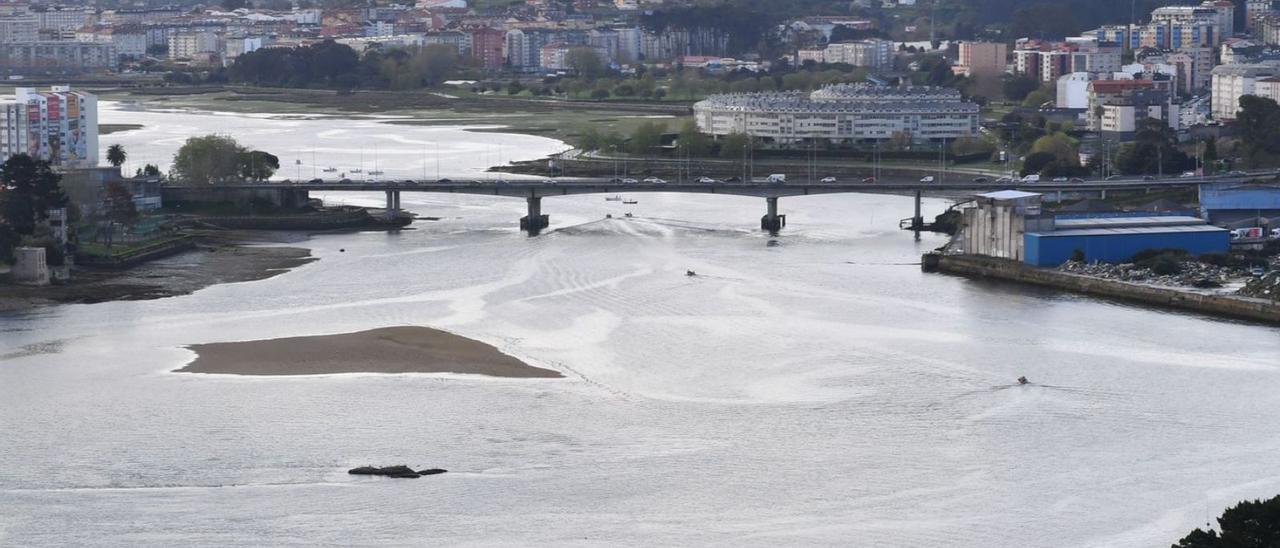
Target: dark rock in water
(400, 471)
(431, 471)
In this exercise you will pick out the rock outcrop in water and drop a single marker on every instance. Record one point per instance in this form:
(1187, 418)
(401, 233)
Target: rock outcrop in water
(399, 471)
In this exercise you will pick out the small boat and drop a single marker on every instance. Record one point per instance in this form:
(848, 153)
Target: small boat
(690, 273)
(614, 198)
(1022, 380)
(630, 202)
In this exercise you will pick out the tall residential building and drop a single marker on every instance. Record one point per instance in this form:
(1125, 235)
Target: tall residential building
(486, 46)
(982, 59)
(187, 45)
(59, 125)
(1230, 82)
(19, 29)
(873, 53)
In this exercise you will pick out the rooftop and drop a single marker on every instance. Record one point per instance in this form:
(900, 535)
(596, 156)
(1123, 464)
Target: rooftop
(1184, 229)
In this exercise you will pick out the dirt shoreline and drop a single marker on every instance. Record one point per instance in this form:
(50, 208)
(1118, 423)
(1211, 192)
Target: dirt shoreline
(404, 349)
(180, 274)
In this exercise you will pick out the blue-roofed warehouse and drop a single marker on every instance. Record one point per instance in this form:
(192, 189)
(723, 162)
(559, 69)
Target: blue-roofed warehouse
(1011, 224)
(1117, 239)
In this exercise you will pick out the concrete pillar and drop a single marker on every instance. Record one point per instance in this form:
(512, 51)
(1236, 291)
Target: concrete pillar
(397, 196)
(771, 221)
(535, 221)
(391, 205)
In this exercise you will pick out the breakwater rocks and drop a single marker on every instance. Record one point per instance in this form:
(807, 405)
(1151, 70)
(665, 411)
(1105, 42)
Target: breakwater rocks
(1266, 287)
(1192, 273)
(398, 471)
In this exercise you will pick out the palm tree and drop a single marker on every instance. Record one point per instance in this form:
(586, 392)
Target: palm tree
(116, 155)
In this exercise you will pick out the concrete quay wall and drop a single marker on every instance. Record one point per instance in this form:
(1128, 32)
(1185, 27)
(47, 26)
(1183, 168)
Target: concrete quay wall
(1259, 310)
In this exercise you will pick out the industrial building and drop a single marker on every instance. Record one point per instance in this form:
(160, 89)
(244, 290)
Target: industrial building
(1227, 203)
(1118, 239)
(1010, 224)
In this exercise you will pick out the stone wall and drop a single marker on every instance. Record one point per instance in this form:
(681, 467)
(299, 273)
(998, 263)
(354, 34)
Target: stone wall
(286, 198)
(1218, 305)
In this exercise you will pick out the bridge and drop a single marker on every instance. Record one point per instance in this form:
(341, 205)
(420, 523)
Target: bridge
(533, 190)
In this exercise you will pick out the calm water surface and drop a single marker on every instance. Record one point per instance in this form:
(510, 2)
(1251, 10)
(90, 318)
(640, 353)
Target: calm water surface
(815, 390)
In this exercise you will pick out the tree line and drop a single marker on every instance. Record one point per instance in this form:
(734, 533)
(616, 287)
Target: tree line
(337, 66)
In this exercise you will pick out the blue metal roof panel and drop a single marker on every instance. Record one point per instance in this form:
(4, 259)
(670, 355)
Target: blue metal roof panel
(1129, 230)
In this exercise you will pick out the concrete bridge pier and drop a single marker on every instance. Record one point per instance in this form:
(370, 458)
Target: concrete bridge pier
(771, 221)
(535, 221)
(393, 204)
(917, 220)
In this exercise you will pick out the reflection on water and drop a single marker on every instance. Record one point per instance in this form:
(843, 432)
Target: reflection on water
(808, 388)
(308, 145)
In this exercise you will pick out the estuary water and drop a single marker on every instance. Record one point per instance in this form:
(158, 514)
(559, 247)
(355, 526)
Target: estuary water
(813, 388)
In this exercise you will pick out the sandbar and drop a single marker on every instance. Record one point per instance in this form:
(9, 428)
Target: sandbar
(404, 349)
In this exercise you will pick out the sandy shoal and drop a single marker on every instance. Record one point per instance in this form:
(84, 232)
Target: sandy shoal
(387, 350)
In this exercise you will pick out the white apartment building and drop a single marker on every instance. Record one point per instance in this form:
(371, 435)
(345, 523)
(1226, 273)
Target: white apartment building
(186, 45)
(1230, 82)
(842, 113)
(65, 18)
(872, 53)
(19, 29)
(60, 126)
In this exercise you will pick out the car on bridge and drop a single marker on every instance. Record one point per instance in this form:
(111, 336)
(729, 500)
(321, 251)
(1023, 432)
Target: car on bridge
(981, 180)
(869, 180)
(734, 179)
(315, 181)
(629, 181)
(828, 180)
(708, 181)
(344, 181)
(654, 181)
(927, 179)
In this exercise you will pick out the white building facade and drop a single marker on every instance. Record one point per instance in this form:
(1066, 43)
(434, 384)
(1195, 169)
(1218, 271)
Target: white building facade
(842, 113)
(59, 125)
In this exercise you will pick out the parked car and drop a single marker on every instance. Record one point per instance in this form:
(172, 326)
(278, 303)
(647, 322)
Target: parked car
(927, 179)
(869, 180)
(828, 180)
(654, 181)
